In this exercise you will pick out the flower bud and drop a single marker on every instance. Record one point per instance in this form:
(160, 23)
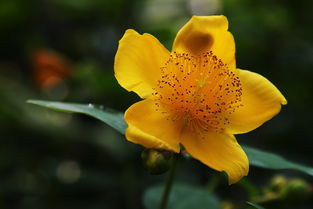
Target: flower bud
(156, 161)
(296, 190)
(277, 183)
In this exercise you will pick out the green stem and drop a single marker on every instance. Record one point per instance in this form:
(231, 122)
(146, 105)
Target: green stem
(169, 183)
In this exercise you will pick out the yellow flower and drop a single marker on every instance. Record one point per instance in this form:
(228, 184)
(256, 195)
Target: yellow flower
(194, 95)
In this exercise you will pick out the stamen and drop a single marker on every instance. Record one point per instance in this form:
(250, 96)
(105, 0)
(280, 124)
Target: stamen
(200, 90)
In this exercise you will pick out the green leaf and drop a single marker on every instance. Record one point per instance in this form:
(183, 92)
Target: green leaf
(181, 197)
(111, 118)
(116, 120)
(255, 205)
(272, 161)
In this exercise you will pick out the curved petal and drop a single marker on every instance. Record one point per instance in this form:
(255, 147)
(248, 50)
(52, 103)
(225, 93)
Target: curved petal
(202, 34)
(137, 62)
(261, 101)
(219, 151)
(150, 127)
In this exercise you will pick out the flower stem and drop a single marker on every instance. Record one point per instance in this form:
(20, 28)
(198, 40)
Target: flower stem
(169, 183)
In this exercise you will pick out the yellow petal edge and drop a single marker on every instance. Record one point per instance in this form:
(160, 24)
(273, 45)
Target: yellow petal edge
(205, 33)
(219, 151)
(261, 101)
(150, 128)
(137, 62)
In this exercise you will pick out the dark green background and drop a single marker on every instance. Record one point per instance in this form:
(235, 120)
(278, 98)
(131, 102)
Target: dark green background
(55, 160)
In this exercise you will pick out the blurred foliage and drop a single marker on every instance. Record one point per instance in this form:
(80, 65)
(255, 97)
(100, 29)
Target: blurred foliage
(54, 160)
(181, 197)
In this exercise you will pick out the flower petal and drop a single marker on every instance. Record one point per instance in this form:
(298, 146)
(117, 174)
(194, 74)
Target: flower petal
(205, 33)
(261, 101)
(219, 151)
(150, 127)
(138, 61)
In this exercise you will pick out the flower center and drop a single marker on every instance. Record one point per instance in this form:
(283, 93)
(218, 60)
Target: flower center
(199, 90)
